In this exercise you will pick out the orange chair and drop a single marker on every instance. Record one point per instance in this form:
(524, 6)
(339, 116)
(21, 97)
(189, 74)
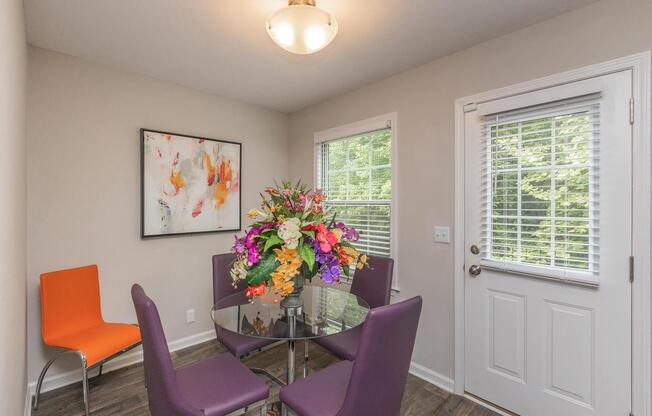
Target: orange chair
(71, 319)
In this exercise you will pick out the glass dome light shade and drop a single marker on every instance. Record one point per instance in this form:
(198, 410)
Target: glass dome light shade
(302, 29)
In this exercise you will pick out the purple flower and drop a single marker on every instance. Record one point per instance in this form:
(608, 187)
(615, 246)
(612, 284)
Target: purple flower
(320, 256)
(352, 234)
(331, 271)
(349, 233)
(323, 258)
(253, 254)
(239, 246)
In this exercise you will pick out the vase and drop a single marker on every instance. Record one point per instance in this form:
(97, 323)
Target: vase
(293, 300)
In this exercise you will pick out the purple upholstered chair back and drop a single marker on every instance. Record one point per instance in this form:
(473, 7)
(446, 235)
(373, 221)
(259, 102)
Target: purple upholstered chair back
(381, 367)
(222, 285)
(374, 283)
(163, 392)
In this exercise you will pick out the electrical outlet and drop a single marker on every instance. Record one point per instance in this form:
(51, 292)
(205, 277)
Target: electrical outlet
(190, 316)
(442, 235)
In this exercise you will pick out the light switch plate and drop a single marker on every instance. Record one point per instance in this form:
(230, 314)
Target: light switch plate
(442, 235)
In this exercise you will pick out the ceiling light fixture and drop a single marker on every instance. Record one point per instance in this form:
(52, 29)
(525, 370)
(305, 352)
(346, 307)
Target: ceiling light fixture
(302, 27)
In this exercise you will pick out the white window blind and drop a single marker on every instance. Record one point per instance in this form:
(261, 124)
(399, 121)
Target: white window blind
(355, 173)
(540, 188)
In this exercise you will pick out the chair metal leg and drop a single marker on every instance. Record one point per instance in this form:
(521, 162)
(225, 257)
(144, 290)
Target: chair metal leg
(271, 376)
(82, 358)
(39, 383)
(84, 381)
(305, 359)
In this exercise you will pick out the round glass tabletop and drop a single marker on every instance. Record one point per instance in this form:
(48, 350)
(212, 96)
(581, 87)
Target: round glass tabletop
(325, 311)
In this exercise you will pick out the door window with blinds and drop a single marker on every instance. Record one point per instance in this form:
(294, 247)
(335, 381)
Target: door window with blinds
(540, 189)
(355, 173)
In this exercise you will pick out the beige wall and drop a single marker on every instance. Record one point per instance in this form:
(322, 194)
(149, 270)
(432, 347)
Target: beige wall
(84, 189)
(424, 98)
(13, 48)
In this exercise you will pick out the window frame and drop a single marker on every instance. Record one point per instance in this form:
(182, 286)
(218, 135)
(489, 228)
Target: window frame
(359, 127)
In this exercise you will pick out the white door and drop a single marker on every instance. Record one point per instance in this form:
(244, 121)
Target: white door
(547, 241)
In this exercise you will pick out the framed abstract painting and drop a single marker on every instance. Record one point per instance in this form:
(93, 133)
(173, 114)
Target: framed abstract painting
(189, 185)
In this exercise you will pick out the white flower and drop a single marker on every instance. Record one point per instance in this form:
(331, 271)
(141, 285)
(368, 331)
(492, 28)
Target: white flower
(239, 271)
(290, 232)
(292, 243)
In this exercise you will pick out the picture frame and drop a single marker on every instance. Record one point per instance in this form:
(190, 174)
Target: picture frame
(189, 185)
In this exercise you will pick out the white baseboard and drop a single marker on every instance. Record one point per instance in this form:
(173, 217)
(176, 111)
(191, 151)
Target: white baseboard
(28, 403)
(432, 377)
(132, 357)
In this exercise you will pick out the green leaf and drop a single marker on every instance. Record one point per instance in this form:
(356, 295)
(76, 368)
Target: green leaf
(310, 234)
(271, 241)
(307, 254)
(346, 270)
(332, 221)
(262, 271)
(307, 273)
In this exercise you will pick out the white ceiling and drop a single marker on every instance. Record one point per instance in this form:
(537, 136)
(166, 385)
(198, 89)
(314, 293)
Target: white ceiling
(221, 46)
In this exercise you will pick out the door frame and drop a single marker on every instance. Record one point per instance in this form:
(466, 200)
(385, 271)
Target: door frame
(640, 65)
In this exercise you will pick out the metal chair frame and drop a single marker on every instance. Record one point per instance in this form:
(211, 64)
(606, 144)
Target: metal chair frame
(85, 370)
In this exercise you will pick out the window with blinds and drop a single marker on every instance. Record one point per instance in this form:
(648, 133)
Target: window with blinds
(540, 187)
(355, 173)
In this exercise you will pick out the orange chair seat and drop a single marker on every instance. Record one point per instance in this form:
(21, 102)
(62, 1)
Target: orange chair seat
(99, 341)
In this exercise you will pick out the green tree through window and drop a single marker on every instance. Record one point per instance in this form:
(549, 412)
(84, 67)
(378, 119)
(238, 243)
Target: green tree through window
(356, 176)
(540, 191)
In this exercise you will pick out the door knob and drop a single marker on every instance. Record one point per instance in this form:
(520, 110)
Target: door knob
(475, 270)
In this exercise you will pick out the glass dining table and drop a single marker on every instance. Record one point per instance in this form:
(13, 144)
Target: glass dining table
(324, 311)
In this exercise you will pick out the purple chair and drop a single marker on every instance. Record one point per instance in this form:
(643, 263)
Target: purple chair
(212, 387)
(374, 383)
(239, 345)
(373, 284)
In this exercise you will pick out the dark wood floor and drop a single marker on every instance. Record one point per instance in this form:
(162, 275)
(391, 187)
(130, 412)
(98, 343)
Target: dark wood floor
(122, 392)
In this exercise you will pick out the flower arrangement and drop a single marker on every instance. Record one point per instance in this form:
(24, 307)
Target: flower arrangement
(294, 237)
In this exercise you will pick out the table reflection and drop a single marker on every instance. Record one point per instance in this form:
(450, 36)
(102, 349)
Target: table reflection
(325, 311)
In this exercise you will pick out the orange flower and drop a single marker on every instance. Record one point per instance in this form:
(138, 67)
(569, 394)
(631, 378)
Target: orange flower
(288, 256)
(342, 258)
(362, 261)
(281, 284)
(257, 290)
(318, 197)
(347, 255)
(285, 272)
